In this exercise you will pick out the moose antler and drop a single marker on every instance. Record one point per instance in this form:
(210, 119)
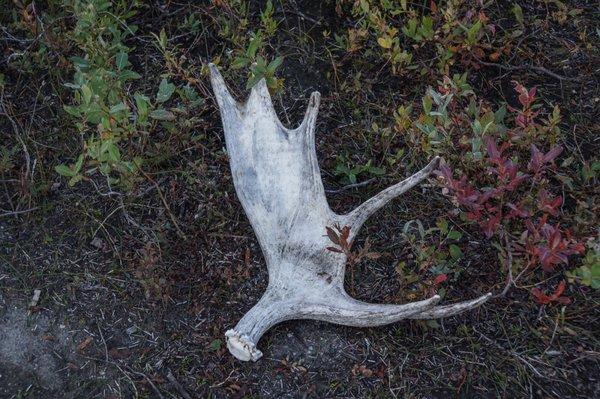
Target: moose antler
(277, 180)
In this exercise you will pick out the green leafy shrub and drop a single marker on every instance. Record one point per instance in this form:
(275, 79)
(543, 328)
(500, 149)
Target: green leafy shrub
(101, 110)
(114, 123)
(453, 32)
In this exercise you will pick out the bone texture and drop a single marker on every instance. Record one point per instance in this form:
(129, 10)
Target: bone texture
(277, 180)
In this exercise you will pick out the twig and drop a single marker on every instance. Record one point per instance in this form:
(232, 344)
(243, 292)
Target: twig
(349, 186)
(13, 213)
(304, 16)
(509, 279)
(177, 385)
(156, 391)
(553, 334)
(530, 67)
(222, 382)
(103, 341)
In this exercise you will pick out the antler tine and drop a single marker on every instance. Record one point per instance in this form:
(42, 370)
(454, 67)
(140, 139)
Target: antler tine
(357, 217)
(230, 109)
(333, 306)
(310, 116)
(451, 310)
(340, 308)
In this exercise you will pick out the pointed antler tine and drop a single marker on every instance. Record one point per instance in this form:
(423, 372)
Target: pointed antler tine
(226, 102)
(312, 110)
(451, 310)
(357, 217)
(345, 310)
(261, 89)
(260, 100)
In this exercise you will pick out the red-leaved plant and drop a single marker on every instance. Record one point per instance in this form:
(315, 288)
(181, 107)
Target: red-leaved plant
(504, 208)
(544, 299)
(514, 205)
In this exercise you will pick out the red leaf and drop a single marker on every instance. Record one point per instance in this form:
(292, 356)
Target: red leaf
(517, 211)
(552, 154)
(540, 161)
(333, 236)
(540, 297)
(492, 150)
(560, 289)
(547, 203)
(440, 279)
(544, 299)
(345, 232)
(491, 224)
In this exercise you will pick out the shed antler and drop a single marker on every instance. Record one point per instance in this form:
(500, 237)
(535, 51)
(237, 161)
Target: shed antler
(277, 180)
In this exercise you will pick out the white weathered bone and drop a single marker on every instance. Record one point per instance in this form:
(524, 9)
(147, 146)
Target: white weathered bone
(277, 180)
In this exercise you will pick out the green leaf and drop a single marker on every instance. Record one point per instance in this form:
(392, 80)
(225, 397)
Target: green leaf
(500, 114)
(128, 74)
(94, 113)
(141, 103)
(121, 60)
(385, 42)
(427, 103)
(254, 79)
(86, 92)
(165, 91)
(64, 170)
(75, 179)
(162, 115)
(442, 224)
(455, 235)
(216, 344)
(162, 39)
(455, 252)
(113, 153)
(80, 63)
(273, 65)
(518, 13)
(240, 62)
(105, 145)
(73, 111)
(255, 43)
(118, 108)
(78, 164)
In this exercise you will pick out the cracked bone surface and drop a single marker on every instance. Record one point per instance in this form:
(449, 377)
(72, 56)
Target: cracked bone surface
(277, 180)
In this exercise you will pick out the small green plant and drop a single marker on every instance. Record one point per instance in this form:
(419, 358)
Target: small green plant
(191, 24)
(419, 31)
(269, 25)
(101, 110)
(589, 272)
(350, 174)
(114, 123)
(436, 249)
(259, 68)
(253, 56)
(451, 30)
